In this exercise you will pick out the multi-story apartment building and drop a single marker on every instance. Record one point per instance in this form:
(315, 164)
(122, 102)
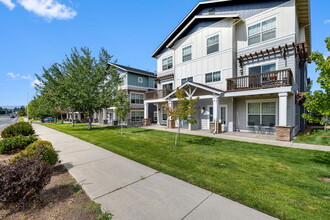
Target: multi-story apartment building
(245, 60)
(136, 82)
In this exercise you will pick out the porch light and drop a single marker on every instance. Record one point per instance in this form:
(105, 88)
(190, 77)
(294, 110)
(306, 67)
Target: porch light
(203, 109)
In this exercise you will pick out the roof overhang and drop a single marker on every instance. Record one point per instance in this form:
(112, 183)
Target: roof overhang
(131, 71)
(304, 19)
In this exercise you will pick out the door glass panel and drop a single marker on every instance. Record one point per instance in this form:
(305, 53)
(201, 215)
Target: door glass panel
(211, 114)
(223, 115)
(254, 70)
(268, 68)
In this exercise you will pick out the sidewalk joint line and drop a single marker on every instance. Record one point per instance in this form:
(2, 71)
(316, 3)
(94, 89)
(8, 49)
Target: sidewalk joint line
(196, 207)
(126, 185)
(88, 162)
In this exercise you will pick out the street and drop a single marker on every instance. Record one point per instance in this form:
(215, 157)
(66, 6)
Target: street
(6, 120)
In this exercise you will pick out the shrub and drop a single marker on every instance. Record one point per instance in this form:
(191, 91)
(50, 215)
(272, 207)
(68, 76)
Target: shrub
(22, 182)
(10, 145)
(39, 149)
(20, 128)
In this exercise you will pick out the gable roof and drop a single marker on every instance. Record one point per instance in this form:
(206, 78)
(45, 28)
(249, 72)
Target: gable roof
(303, 9)
(133, 70)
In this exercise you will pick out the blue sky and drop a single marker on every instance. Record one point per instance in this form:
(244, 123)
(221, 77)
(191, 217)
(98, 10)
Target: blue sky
(36, 33)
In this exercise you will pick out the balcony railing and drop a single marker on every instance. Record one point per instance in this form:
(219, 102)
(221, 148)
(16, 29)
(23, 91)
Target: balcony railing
(261, 80)
(157, 94)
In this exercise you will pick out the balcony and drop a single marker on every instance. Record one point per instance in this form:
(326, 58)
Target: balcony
(158, 94)
(260, 81)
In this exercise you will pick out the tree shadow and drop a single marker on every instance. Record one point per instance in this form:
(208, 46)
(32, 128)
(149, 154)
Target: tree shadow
(202, 141)
(325, 159)
(142, 131)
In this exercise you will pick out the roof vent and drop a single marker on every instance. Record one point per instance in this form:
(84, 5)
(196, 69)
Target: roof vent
(212, 11)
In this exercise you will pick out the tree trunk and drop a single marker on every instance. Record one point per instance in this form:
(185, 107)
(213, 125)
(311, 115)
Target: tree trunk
(177, 136)
(62, 118)
(72, 118)
(89, 120)
(121, 127)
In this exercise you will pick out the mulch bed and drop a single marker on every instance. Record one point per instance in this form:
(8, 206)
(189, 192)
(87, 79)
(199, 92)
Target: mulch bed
(61, 199)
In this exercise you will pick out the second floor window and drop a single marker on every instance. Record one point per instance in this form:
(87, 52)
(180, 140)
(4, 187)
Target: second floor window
(168, 86)
(186, 54)
(213, 44)
(137, 98)
(213, 77)
(167, 63)
(263, 31)
(184, 80)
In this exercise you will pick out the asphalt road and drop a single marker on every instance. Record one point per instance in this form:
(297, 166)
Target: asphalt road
(6, 120)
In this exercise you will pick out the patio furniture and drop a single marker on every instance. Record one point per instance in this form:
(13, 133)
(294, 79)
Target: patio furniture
(270, 128)
(251, 126)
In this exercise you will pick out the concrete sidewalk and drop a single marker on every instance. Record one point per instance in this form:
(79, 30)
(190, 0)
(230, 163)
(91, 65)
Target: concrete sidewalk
(241, 136)
(130, 190)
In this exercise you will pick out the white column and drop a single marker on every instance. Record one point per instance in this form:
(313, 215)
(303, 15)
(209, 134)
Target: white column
(104, 114)
(100, 117)
(216, 109)
(158, 113)
(283, 108)
(146, 111)
(170, 105)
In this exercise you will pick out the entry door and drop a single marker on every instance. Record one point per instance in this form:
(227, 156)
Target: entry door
(207, 117)
(223, 117)
(110, 117)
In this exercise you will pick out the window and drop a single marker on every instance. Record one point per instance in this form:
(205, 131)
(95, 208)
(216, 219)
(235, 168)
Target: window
(165, 112)
(213, 77)
(184, 80)
(213, 44)
(262, 31)
(186, 54)
(223, 116)
(168, 86)
(262, 69)
(262, 113)
(137, 116)
(155, 116)
(137, 98)
(140, 79)
(168, 63)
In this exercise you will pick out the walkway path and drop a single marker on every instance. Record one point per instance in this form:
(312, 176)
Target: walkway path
(242, 136)
(130, 190)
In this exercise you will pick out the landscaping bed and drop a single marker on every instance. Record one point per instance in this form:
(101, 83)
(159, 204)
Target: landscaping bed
(284, 182)
(316, 136)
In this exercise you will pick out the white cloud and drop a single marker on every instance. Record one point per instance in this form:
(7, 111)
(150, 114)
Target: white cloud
(50, 9)
(327, 21)
(8, 3)
(35, 83)
(27, 77)
(13, 75)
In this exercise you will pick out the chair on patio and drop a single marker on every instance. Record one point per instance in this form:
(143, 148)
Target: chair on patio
(270, 128)
(251, 126)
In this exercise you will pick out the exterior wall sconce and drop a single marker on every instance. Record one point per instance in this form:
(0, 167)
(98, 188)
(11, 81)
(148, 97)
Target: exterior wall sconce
(203, 110)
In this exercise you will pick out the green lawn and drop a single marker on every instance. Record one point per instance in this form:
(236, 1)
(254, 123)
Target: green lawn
(283, 182)
(317, 136)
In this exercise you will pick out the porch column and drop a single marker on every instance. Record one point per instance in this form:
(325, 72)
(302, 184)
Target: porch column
(146, 121)
(105, 120)
(158, 113)
(216, 125)
(114, 116)
(283, 131)
(100, 117)
(170, 121)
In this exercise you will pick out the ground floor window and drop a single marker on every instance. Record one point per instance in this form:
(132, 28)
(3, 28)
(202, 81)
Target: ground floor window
(223, 115)
(137, 116)
(155, 116)
(262, 113)
(165, 112)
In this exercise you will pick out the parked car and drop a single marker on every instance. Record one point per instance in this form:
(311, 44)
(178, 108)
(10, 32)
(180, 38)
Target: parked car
(48, 120)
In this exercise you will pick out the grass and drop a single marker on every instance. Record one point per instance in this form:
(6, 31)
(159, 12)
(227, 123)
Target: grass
(283, 182)
(21, 119)
(317, 136)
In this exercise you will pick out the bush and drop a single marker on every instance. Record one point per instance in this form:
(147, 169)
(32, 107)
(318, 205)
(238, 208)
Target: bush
(22, 182)
(10, 145)
(39, 149)
(20, 128)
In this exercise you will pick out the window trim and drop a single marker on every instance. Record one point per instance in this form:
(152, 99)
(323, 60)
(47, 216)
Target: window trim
(171, 82)
(261, 64)
(261, 101)
(138, 93)
(213, 77)
(167, 64)
(186, 79)
(131, 115)
(185, 47)
(260, 22)
(207, 46)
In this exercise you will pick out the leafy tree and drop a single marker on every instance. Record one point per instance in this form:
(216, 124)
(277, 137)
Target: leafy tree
(122, 105)
(183, 111)
(22, 111)
(318, 102)
(81, 82)
(41, 107)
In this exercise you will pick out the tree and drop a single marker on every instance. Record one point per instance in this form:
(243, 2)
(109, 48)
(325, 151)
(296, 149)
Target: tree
(122, 105)
(22, 111)
(41, 107)
(183, 111)
(81, 82)
(318, 102)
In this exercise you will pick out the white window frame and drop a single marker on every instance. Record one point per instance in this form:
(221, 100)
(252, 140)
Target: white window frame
(186, 79)
(172, 82)
(260, 22)
(261, 64)
(185, 47)
(167, 68)
(207, 46)
(140, 79)
(131, 115)
(136, 93)
(213, 76)
(261, 101)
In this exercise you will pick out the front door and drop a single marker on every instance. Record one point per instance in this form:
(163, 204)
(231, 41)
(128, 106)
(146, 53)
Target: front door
(223, 117)
(207, 117)
(110, 117)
